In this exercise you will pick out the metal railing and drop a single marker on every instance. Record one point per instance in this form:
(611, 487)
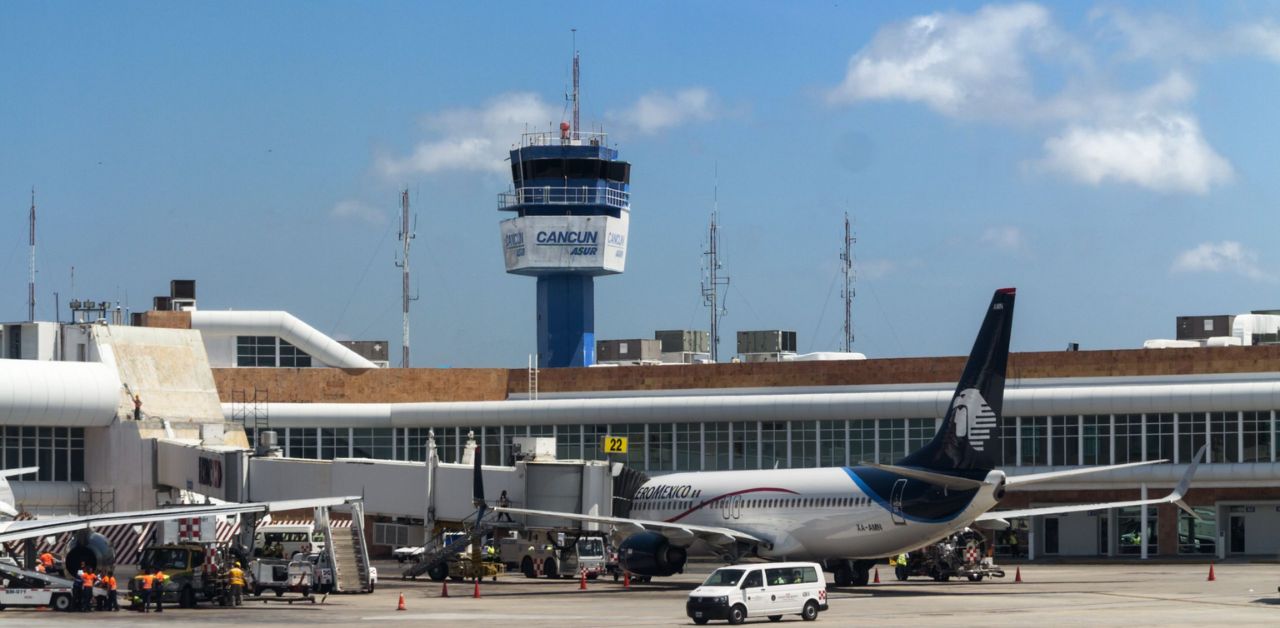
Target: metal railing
(571, 138)
(548, 195)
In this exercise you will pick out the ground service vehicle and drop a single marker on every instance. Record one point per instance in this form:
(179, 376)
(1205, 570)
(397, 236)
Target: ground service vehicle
(961, 555)
(22, 588)
(188, 579)
(558, 556)
(285, 540)
(281, 576)
(769, 590)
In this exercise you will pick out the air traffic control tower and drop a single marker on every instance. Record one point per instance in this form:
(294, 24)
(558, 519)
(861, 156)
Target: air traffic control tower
(570, 195)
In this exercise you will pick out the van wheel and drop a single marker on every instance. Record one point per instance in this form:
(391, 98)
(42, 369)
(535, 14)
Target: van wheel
(279, 592)
(810, 611)
(737, 614)
(526, 568)
(775, 618)
(61, 602)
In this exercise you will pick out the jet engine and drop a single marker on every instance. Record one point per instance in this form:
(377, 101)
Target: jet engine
(651, 554)
(92, 549)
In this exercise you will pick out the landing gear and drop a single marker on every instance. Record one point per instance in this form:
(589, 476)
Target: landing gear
(856, 573)
(843, 573)
(862, 572)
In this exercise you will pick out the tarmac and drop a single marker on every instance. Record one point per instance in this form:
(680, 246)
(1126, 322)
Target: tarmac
(1116, 594)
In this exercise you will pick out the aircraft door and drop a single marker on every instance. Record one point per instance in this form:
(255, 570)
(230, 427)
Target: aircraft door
(895, 502)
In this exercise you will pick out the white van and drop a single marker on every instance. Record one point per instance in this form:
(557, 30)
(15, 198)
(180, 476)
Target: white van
(769, 590)
(283, 540)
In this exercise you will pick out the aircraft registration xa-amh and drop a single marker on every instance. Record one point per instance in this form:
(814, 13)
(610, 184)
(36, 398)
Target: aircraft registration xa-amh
(848, 517)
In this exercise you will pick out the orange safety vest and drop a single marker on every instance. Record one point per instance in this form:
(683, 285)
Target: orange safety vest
(147, 580)
(47, 559)
(110, 582)
(87, 580)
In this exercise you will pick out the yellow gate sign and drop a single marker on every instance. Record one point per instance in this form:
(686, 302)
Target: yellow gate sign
(615, 444)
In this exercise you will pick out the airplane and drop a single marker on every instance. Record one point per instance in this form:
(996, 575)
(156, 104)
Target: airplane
(848, 518)
(16, 530)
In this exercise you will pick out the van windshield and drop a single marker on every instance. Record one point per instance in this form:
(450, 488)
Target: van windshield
(724, 578)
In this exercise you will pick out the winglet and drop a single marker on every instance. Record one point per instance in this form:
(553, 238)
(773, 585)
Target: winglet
(1184, 484)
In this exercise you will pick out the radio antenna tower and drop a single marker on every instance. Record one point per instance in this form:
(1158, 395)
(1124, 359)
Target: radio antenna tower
(846, 257)
(406, 236)
(711, 295)
(575, 83)
(31, 281)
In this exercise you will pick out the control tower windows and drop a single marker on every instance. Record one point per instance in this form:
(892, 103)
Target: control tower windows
(542, 169)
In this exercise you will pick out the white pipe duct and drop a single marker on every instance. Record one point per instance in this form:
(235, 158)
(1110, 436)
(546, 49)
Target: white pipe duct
(1036, 401)
(58, 394)
(281, 325)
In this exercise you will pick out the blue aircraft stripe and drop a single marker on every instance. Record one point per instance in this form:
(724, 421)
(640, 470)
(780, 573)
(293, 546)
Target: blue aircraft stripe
(866, 490)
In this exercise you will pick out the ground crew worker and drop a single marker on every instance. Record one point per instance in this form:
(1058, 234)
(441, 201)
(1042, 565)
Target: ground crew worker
(77, 588)
(86, 589)
(113, 602)
(46, 559)
(137, 408)
(237, 584)
(159, 591)
(148, 581)
(504, 502)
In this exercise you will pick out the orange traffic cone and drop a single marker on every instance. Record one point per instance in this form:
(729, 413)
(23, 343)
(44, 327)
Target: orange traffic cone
(626, 579)
(476, 594)
(444, 589)
(1017, 575)
(582, 583)
(1211, 576)
(400, 606)
(877, 580)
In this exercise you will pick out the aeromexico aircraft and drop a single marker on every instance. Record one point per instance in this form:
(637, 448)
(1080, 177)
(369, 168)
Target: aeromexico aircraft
(849, 517)
(80, 550)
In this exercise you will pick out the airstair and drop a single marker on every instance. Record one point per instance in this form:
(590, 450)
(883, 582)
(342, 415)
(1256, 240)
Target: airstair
(348, 553)
(437, 551)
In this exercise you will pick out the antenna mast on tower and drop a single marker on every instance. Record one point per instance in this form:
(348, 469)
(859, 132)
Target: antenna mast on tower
(575, 82)
(847, 266)
(406, 236)
(711, 296)
(31, 281)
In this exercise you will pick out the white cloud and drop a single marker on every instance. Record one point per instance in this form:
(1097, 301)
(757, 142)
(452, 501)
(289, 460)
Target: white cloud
(873, 269)
(959, 65)
(1161, 153)
(357, 210)
(1221, 257)
(472, 139)
(659, 111)
(1262, 38)
(1007, 238)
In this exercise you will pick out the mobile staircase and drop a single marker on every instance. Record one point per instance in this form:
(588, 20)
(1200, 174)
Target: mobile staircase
(348, 554)
(436, 552)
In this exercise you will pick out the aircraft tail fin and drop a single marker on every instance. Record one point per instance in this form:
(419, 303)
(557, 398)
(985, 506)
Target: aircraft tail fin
(969, 437)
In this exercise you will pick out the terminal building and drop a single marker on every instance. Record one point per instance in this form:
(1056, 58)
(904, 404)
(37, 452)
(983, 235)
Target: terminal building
(1062, 409)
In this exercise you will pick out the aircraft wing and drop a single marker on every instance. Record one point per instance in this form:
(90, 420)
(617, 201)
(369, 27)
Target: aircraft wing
(1174, 497)
(680, 533)
(18, 530)
(1030, 478)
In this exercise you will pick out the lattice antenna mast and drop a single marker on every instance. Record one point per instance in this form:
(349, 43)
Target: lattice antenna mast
(31, 281)
(575, 83)
(406, 236)
(713, 281)
(846, 257)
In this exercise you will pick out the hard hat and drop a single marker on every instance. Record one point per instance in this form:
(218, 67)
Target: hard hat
(237, 563)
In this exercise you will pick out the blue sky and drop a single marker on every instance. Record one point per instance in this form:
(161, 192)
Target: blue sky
(1114, 161)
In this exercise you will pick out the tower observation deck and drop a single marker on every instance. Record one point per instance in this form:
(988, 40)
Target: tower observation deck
(571, 199)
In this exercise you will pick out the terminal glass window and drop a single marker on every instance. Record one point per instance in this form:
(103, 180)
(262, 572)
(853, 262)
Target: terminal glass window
(1128, 438)
(255, 350)
(1224, 437)
(335, 442)
(1191, 435)
(568, 442)
(412, 444)
(494, 452)
(1009, 441)
(688, 447)
(448, 444)
(303, 443)
(1198, 536)
(1160, 436)
(1097, 439)
(862, 441)
(293, 357)
(718, 448)
(661, 455)
(773, 445)
(58, 451)
(893, 440)
(919, 433)
(1257, 436)
(372, 442)
(634, 433)
(804, 444)
(592, 441)
(834, 447)
(1035, 440)
(746, 441)
(1065, 440)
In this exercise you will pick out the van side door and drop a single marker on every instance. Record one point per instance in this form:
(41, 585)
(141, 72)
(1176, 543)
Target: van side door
(754, 593)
